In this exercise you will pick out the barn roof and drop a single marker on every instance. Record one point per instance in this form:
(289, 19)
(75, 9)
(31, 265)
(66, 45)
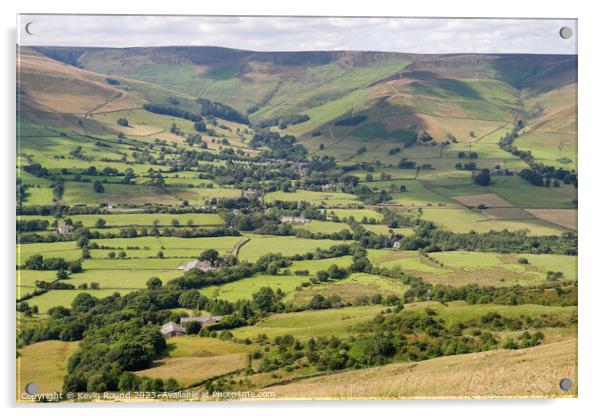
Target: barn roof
(171, 327)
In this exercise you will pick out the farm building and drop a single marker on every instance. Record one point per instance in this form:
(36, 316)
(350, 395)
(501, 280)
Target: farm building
(171, 329)
(294, 220)
(65, 229)
(203, 320)
(396, 245)
(202, 265)
(329, 187)
(250, 193)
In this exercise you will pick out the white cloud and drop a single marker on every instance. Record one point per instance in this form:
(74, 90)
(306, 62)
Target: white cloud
(420, 35)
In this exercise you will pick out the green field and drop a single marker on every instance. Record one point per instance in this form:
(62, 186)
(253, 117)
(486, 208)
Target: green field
(65, 297)
(244, 289)
(357, 214)
(385, 230)
(355, 288)
(461, 220)
(124, 220)
(193, 346)
(325, 227)
(82, 193)
(512, 188)
(458, 268)
(304, 325)
(287, 246)
(317, 198)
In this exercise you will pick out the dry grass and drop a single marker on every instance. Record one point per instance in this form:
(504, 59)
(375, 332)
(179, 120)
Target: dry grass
(566, 218)
(192, 370)
(45, 364)
(531, 372)
(49, 85)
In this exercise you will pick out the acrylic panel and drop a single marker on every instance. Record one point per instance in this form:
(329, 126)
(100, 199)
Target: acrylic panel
(284, 208)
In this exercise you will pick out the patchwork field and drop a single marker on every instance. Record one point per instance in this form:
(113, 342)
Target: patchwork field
(459, 268)
(460, 220)
(145, 152)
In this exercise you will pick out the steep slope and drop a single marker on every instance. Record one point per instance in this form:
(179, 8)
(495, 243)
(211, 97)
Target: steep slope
(401, 94)
(50, 92)
(48, 85)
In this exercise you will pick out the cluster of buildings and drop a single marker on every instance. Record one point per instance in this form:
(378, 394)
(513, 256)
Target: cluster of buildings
(330, 187)
(294, 220)
(249, 193)
(65, 229)
(202, 265)
(172, 329)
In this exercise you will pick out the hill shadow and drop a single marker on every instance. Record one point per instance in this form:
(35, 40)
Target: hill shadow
(433, 84)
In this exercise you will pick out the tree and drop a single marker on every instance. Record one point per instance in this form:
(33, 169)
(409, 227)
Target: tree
(200, 126)
(123, 122)
(129, 176)
(483, 178)
(111, 255)
(35, 262)
(211, 255)
(101, 222)
(98, 187)
(154, 283)
(132, 356)
(191, 299)
(127, 382)
(322, 275)
(175, 222)
(265, 299)
(192, 327)
(62, 275)
(76, 266)
(160, 254)
(83, 302)
(171, 385)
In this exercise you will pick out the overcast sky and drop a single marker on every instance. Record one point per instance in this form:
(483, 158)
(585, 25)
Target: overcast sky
(308, 33)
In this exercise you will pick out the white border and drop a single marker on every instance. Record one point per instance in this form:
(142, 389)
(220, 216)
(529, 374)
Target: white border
(590, 146)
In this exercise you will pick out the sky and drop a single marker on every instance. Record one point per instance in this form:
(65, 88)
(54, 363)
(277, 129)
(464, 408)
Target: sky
(411, 35)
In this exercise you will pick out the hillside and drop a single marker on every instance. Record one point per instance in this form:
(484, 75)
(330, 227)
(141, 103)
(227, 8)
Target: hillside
(533, 372)
(337, 224)
(459, 95)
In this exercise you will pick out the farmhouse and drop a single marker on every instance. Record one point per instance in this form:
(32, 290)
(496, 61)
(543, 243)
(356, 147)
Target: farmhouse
(203, 320)
(65, 229)
(250, 193)
(171, 329)
(294, 220)
(329, 187)
(202, 265)
(396, 245)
